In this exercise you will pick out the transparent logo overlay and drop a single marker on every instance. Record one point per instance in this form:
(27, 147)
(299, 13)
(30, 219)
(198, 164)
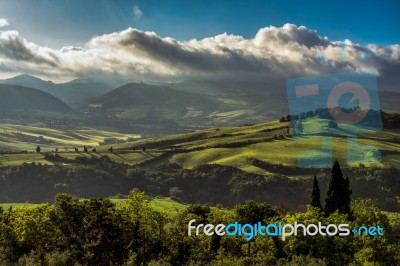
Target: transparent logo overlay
(329, 113)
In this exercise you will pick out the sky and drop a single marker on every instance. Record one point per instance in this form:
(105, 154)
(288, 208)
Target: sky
(175, 40)
(72, 22)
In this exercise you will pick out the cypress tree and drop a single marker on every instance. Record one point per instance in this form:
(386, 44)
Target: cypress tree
(315, 196)
(338, 195)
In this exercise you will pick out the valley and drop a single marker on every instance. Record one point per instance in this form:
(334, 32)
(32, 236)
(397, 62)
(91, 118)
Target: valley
(169, 139)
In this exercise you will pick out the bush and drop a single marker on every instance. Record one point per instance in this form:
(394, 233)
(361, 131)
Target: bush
(59, 258)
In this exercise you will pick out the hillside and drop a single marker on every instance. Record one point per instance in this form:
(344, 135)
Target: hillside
(270, 143)
(26, 138)
(143, 94)
(152, 104)
(160, 105)
(29, 81)
(16, 98)
(69, 92)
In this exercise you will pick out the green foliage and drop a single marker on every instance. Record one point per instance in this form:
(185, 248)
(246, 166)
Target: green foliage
(34, 229)
(330, 249)
(145, 220)
(175, 192)
(93, 232)
(372, 249)
(252, 212)
(301, 261)
(92, 229)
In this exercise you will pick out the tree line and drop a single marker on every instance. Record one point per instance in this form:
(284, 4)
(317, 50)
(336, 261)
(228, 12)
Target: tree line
(102, 177)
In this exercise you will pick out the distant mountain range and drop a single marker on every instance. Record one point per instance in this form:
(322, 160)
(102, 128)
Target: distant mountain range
(188, 103)
(19, 98)
(69, 92)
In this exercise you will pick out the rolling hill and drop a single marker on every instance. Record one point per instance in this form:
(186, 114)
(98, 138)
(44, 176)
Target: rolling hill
(268, 143)
(25, 138)
(153, 104)
(251, 148)
(144, 94)
(18, 98)
(29, 81)
(69, 92)
(145, 103)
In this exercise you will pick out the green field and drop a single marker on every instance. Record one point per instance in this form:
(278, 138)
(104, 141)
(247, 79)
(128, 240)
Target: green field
(26, 138)
(6, 206)
(233, 146)
(166, 206)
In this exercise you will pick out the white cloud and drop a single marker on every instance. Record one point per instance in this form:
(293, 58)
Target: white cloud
(273, 55)
(3, 22)
(137, 13)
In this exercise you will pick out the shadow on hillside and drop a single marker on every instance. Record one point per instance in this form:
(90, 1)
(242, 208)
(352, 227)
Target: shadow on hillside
(146, 154)
(125, 160)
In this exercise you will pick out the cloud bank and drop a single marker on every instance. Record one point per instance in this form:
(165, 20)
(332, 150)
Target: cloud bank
(274, 53)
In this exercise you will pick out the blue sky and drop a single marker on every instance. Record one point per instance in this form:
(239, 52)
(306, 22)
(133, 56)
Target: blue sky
(73, 22)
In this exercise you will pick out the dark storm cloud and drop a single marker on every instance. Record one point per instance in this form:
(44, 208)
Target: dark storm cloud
(13, 47)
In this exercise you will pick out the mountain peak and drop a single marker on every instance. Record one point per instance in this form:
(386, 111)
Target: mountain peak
(25, 79)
